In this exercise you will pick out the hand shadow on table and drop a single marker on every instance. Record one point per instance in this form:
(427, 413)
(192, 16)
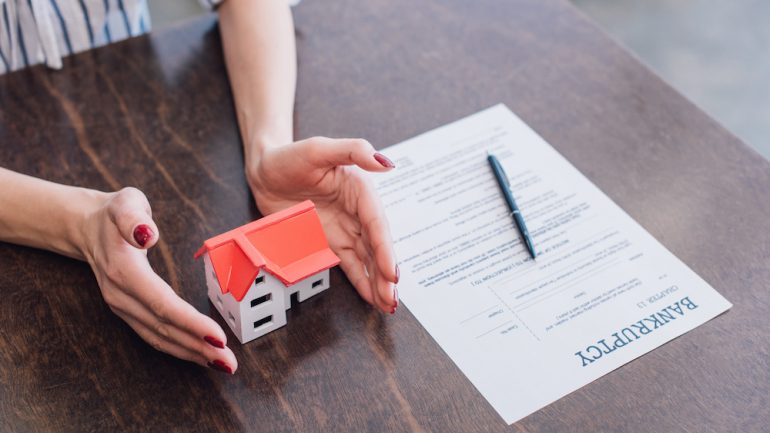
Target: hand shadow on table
(331, 329)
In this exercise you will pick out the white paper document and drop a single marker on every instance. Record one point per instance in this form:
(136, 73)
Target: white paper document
(601, 292)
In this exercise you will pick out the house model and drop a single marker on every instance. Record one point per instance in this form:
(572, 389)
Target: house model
(253, 271)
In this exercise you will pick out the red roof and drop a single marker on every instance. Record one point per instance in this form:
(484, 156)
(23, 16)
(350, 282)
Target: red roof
(289, 244)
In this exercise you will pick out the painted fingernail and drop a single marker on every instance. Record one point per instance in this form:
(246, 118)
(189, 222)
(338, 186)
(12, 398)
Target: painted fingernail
(142, 234)
(395, 290)
(214, 342)
(384, 160)
(395, 299)
(398, 274)
(221, 366)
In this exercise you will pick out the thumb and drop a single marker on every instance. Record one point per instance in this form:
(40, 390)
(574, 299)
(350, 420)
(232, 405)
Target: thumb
(331, 152)
(130, 211)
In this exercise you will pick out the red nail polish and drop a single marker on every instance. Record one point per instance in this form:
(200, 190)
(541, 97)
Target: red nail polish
(214, 342)
(393, 310)
(383, 160)
(398, 274)
(395, 299)
(395, 289)
(221, 366)
(142, 234)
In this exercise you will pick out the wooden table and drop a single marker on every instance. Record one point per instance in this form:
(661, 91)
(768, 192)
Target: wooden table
(156, 113)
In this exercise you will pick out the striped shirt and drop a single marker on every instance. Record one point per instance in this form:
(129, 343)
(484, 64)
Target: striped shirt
(44, 31)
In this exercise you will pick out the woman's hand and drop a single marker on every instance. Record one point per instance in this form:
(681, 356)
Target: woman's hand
(328, 172)
(116, 236)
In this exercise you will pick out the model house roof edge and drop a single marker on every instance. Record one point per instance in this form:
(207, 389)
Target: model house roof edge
(245, 292)
(327, 256)
(261, 223)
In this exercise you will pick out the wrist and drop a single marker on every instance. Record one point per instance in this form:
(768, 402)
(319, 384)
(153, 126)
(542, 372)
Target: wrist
(47, 215)
(82, 207)
(256, 146)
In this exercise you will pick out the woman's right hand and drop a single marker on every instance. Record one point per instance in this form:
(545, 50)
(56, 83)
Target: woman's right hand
(116, 237)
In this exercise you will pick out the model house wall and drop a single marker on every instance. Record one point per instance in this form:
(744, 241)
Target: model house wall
(263, 309)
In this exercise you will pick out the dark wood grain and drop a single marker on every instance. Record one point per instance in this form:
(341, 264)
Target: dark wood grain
(156, 113)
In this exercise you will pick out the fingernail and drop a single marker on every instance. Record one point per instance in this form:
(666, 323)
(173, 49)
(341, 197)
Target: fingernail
(384, 161)
(221, 366)
(398, 274)
(395, 298)
(214, 342)
(393, 311)
(142, 234)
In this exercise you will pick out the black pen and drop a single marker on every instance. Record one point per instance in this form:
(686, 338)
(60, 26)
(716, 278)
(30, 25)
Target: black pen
(502, 180)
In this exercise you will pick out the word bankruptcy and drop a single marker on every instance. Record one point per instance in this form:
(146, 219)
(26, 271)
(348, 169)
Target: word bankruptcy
(635, 331)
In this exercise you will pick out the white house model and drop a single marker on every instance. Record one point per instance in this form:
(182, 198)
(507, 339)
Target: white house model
(253, 271)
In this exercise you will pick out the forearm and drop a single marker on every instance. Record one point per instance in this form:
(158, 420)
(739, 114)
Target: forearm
(258, 40)
(43, 214)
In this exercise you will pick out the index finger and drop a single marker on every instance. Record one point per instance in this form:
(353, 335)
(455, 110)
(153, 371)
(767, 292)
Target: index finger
(332, 152)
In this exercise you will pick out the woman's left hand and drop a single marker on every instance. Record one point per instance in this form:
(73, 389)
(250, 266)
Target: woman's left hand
(328, 172)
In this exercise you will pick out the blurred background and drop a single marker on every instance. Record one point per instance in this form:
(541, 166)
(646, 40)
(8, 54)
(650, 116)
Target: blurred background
(715, 52)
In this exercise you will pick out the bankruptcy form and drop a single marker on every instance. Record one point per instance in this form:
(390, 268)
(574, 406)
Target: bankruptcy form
(526, 332)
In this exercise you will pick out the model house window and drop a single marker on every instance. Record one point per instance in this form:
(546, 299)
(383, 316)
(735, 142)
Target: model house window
(214, 275)
(317, 283)
(219, 301)
(231, 318)
(260, 279)
(261, 300)
(262, 321)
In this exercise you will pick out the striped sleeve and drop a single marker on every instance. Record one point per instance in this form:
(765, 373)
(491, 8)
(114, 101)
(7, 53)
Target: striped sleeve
(213, 4)
(210, 4)
(44, 31)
